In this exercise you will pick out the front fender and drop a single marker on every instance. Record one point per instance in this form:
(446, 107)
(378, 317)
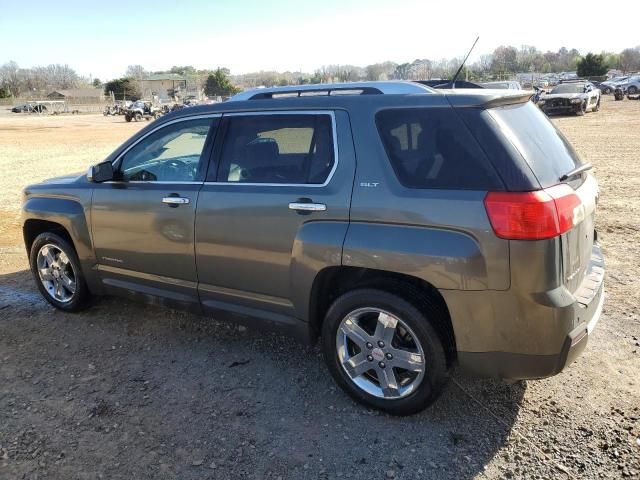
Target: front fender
(446, 259)
(71, 215)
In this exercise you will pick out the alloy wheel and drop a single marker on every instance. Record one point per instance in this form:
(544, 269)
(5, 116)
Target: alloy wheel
(380, 353)
(56, 273)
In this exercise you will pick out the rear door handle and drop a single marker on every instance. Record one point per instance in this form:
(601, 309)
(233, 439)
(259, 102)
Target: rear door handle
(307, 207)
(175, 201)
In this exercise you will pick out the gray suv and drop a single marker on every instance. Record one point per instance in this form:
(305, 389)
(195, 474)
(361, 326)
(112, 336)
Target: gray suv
(410, 229)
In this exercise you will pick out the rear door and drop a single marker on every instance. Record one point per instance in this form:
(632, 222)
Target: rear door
(275, 173)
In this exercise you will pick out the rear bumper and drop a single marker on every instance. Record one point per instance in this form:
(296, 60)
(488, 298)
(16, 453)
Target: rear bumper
(526, 366)
(567, 327)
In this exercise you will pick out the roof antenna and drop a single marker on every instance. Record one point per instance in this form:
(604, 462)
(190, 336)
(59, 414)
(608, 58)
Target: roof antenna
(455, 77)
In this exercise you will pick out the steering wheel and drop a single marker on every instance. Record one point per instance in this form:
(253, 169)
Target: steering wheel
(176, 170)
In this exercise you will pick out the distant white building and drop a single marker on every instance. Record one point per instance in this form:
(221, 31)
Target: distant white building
(164, 86)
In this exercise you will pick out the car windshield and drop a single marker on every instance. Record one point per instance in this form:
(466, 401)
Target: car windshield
(569, 88)
(500, 85)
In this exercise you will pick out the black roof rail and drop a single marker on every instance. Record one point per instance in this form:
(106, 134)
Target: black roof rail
(317, 92)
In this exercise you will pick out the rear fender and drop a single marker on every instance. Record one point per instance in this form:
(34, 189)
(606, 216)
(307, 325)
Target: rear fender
(446, 259)
(317, 246)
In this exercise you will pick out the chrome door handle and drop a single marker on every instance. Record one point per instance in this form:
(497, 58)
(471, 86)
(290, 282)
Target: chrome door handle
(307, 207)
(175, 200)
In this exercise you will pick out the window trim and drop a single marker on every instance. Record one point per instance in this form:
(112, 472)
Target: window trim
(152, 131)
(334, 133)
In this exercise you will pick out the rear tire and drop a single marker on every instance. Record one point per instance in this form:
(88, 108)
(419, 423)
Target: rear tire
(632, 90)
(597, 107)
(138, 117)
(56, 269)
(409, 340)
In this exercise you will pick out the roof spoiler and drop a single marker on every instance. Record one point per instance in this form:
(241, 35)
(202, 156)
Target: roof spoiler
(486, 99)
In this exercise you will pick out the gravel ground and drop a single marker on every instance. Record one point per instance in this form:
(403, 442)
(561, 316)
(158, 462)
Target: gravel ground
(127, 391)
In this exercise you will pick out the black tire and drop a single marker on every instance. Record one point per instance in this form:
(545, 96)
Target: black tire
(632, 90)
(127, 118)
(608, 90)
(138, 117)
(80, 298)
(582, 109)
(597, 107)
(418, 320)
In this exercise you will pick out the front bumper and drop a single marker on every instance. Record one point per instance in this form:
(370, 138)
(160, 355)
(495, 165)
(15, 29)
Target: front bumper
(587, 309)
(559, 109)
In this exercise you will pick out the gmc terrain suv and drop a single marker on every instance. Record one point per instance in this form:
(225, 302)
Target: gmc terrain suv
(410, 228)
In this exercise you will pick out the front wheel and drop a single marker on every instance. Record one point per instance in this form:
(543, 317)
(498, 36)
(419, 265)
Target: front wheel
(597, 107)
(582, 109)
(383, 351)
(632, 90)
(56, 270)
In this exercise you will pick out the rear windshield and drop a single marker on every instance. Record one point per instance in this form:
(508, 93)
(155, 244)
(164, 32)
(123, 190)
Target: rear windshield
(569, 88)
(547, 152)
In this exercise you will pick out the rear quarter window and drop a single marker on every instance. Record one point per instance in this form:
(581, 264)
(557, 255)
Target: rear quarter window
(431, 148)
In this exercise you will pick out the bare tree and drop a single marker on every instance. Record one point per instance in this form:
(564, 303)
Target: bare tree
(630, 59)
(10, 77)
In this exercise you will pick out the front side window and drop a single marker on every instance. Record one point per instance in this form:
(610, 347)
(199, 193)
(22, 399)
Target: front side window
(277, 148)
(171, 154)
(431, 148)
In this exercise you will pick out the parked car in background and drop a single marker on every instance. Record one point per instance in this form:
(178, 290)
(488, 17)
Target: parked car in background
(29, 108)
(466, 237)
(608, 86)
(572, 96)
(631, 85)
(504, 85)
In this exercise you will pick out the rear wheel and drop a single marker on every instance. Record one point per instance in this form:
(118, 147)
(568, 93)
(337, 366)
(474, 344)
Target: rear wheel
(632, 90)
(608, 90)
(56, 269)
(597, 107)
(383, 351)
(138, 117)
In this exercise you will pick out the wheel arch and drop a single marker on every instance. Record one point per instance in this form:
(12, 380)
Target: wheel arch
(331, 282)
(67, 218)
(33, 227)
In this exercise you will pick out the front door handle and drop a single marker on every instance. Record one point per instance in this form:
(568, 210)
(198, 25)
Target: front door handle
(307, 207)
(174, 201)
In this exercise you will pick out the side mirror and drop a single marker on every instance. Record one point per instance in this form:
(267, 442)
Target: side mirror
(102, 172)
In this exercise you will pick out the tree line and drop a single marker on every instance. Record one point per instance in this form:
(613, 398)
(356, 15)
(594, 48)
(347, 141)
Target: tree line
(502, 63)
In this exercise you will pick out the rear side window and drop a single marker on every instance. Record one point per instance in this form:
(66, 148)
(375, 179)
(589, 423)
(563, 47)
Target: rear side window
(278, 148)
(431, 148)
(547, 152)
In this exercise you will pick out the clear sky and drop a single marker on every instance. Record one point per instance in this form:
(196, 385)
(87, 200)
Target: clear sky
(102, 38)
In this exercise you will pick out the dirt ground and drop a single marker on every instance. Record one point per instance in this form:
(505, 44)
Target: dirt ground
(127, 391)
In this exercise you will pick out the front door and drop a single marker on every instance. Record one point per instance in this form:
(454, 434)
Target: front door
(142, 222)
(278, 175)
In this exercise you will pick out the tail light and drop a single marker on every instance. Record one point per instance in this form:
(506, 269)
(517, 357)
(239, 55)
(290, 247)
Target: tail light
(534, 215)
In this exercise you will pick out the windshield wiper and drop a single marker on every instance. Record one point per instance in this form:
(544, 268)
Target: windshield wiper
(576, 171)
